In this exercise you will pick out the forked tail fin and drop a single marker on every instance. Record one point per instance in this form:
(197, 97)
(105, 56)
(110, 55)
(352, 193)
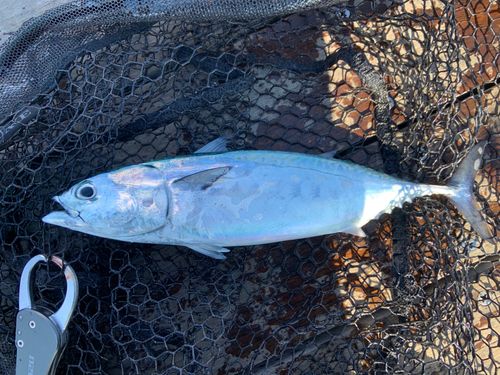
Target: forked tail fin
(464, 199)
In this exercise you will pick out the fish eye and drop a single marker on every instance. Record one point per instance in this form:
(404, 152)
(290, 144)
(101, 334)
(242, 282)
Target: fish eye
(86, 191)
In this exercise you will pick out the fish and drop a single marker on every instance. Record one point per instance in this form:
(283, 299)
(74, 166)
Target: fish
(215, 199)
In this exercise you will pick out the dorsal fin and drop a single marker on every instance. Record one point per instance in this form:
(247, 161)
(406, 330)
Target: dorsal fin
(328, 155)
(217, 145)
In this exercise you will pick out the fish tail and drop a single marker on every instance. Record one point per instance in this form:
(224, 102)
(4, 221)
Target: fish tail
(463, 197)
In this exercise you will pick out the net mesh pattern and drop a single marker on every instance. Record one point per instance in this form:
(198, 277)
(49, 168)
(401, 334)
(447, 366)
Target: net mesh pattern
(402, 87)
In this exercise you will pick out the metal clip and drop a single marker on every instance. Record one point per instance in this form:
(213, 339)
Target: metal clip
(41, 335)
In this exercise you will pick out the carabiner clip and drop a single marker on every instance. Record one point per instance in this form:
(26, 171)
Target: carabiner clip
(41, 335)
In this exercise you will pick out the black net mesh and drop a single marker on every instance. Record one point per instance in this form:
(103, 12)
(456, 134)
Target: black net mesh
(403, 87)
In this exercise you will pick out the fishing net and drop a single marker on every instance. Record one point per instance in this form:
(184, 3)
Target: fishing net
(403, 87)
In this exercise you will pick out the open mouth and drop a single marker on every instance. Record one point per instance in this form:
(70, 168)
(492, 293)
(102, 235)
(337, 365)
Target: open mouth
(68, 218)
(71, 213)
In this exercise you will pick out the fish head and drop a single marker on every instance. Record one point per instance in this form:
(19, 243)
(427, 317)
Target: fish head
(118, 205)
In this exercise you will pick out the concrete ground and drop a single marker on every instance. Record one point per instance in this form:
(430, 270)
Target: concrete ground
(14, 12)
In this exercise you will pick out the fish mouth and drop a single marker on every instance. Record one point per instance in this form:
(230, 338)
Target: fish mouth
(68, 218)
(71, 213)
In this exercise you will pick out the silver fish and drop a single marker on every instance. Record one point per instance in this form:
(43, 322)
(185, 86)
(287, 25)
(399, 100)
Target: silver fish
(215, 199)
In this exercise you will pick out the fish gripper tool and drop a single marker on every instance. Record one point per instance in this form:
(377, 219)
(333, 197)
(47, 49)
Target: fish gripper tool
(41, 335)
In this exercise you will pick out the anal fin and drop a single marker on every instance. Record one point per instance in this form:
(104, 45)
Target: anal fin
(212, 251)
(354, 230)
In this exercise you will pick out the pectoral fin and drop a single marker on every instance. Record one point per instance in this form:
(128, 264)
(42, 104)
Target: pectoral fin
(202, 180)
(356, 231)
(209, 250)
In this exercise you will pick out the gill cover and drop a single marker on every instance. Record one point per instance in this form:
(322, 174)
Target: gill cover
(141, 201)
